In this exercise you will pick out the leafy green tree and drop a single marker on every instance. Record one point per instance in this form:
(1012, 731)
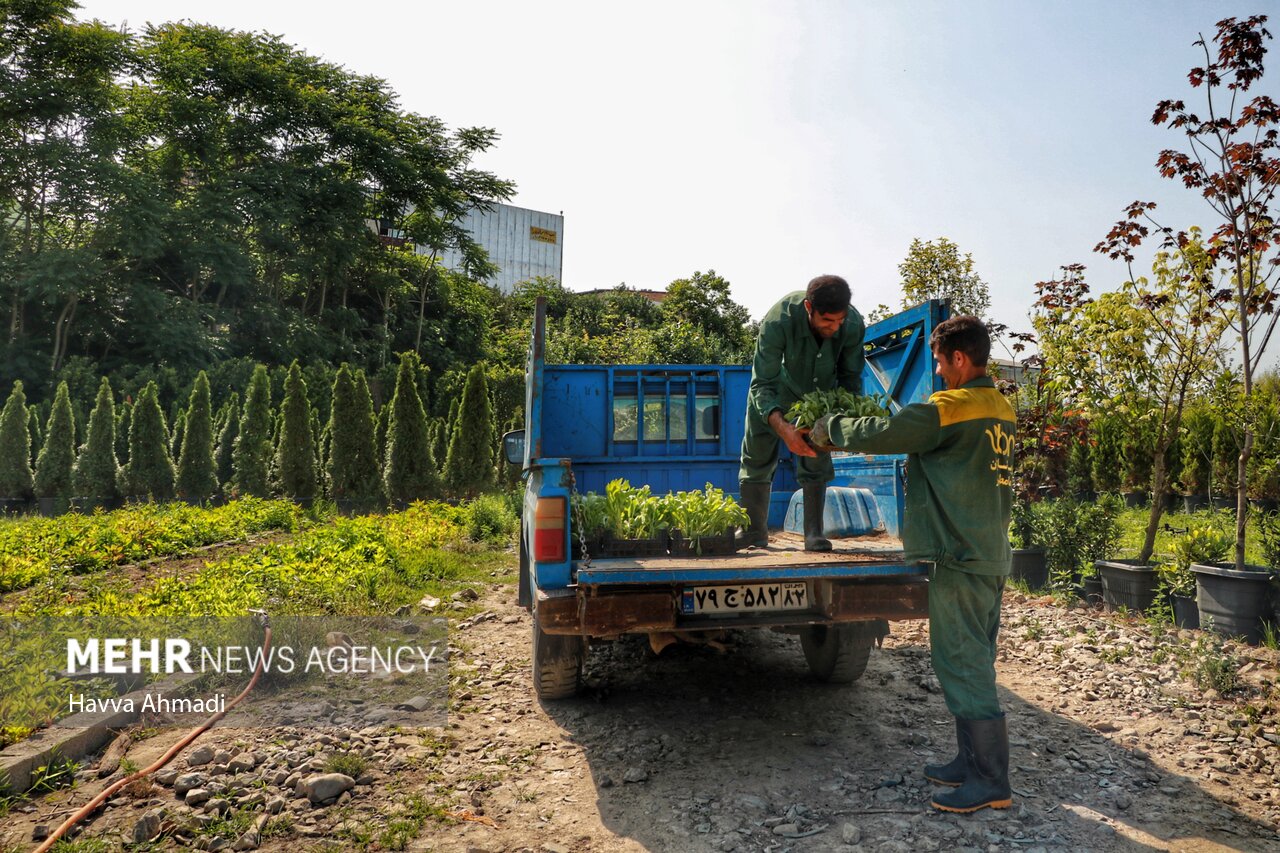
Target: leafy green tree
(295, 462)
(410, 471)
(1231, 159)
(149, 471)
(1139, 352)
(97, 470)
(197, 470)
(59, 170)
(468, 471)
(223, 458)
(703, 302)
(936, 270)
(16, 479)
(58, 455)
(353, 463)
(252, 455)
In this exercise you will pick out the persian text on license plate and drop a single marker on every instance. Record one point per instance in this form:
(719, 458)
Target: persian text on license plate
(745, 598)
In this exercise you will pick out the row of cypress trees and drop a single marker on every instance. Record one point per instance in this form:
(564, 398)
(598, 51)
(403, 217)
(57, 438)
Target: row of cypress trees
(360, 457)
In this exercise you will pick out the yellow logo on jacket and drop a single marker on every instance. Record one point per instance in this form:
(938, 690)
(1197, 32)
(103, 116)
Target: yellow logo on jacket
(1002, 447)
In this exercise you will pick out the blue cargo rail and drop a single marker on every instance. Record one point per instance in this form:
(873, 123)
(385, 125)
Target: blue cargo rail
(677, 428)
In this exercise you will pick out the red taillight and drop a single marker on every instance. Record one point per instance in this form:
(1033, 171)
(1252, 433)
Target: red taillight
(548, 530)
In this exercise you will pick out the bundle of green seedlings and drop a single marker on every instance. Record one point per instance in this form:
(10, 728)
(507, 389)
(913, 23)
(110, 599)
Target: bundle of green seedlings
(630, 513)
(804, 413)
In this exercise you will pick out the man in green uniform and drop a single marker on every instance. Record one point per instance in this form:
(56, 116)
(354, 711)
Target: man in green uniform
(959, 495)
(809, 341)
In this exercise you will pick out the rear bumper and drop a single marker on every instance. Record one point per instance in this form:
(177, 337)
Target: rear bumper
(613, 610)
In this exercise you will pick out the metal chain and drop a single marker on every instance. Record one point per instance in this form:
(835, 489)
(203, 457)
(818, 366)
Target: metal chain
(579, 521)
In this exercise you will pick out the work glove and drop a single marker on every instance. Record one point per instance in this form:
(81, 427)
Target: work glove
(820, 435)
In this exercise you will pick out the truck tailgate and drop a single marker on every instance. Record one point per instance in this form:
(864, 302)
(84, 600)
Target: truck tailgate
(860, 579)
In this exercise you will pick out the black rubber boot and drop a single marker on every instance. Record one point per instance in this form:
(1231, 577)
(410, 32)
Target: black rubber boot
(986, 744)
(815, 501)
(954, 771)
(755, 500)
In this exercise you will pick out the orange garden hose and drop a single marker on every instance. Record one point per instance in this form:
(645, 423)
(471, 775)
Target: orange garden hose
(106, 794)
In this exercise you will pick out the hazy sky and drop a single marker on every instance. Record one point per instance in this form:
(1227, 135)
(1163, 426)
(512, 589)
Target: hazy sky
(774, 141)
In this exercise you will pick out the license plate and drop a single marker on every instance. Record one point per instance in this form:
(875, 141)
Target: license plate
(745, 598)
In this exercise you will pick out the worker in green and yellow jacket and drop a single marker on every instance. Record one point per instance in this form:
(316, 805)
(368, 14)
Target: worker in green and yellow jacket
(809, 341)
(959, 495)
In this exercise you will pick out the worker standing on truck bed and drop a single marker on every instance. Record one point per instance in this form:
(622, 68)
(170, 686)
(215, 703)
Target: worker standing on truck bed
(959, 495)
(810, 341)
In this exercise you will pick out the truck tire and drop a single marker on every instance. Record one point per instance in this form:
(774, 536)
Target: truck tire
(557, 663)
(837, 654)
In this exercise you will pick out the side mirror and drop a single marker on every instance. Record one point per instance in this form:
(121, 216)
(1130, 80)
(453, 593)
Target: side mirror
(513, 447)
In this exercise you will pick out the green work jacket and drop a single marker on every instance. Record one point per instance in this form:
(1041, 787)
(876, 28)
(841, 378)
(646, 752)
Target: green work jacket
(959, 473)
(790, 362)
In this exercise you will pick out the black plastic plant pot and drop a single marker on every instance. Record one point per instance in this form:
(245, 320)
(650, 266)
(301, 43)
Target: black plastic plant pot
(614, 547)
(1194, 503)
(1223, 503)
(1091, 589)
(53, 507)
(1186, 613)
(1133, 500)
(13, 506)
(1031, 566)
(1126, 584)
(1233, 602)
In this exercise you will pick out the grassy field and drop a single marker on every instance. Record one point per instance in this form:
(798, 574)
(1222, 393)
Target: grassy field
(1133, 527)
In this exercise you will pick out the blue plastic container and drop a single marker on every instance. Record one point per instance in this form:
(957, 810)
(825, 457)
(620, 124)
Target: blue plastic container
(847, 512)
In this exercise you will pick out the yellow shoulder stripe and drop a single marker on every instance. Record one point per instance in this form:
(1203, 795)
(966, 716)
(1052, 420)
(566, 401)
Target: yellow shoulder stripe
(971, 404)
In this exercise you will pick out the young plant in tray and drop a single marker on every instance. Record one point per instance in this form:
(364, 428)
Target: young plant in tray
(804, 413)
(707, 513)
(632, 513)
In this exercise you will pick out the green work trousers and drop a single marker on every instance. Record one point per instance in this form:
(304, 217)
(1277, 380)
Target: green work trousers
(760, 446)
(964, 620)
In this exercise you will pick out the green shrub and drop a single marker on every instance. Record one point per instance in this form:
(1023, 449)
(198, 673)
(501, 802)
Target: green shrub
(1108, 453)
(96, 469)
(353, 461)
(410, 471)
(1197, 450)
(33, 429)
(124, 420)
(223, 458)
(149, 471)
(295, 463)
(197, 475)
(1076, 533)
(58, 454)
(16, 479)
(490, 519)
(175, 435)
(252, 454)
(469, 467)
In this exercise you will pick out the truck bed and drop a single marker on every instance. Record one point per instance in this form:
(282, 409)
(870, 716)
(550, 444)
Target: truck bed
(876, 555)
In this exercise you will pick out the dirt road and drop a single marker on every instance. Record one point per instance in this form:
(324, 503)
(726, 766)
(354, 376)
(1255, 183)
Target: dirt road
(1113, 748)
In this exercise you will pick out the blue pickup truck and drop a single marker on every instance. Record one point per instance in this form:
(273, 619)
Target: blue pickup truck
(677, 428)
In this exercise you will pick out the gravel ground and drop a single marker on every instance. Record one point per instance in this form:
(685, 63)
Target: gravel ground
(1120, 740)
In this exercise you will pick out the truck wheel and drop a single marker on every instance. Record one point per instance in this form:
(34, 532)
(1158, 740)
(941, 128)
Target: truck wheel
(837, 654)
(557, 663)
